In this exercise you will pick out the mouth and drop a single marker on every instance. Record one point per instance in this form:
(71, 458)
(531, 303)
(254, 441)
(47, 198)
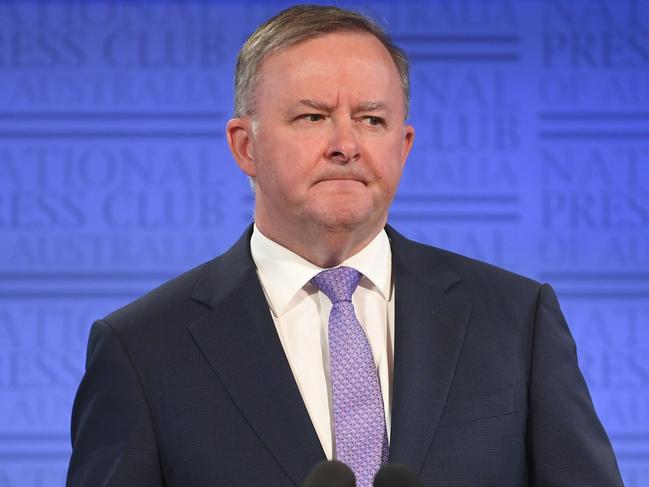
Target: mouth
(342, 179)
(341, 184)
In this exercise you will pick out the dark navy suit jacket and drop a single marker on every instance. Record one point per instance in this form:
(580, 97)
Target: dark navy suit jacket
(189, 386)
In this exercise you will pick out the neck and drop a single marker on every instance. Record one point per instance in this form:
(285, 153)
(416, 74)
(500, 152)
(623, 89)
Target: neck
(324, 247)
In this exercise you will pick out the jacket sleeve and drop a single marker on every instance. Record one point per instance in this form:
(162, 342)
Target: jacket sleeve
(566, 443)
(113, 440)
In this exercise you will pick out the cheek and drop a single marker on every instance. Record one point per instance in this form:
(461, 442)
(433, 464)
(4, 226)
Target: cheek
(288, 151)
(396, 164)
(390, 169)
(282, 172)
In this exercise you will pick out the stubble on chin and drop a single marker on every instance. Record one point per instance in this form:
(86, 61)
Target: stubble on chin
(345, 218)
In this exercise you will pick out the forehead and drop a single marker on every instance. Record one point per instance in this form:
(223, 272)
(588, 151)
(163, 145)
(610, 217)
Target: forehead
(348, 64)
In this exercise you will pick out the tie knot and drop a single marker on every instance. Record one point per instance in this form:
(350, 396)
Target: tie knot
(337, 284)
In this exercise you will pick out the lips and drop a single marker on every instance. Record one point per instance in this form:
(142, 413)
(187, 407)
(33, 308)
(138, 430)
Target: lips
(343, 177)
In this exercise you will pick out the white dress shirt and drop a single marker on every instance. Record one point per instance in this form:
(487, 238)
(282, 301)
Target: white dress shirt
(301, 315)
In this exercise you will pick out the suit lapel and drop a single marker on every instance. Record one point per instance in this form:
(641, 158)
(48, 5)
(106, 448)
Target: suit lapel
(431, 318)
(238, 339)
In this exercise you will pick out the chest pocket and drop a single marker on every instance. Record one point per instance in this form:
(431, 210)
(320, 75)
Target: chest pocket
(480, 405)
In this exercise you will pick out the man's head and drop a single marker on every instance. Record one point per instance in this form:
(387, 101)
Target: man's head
(298, 24)
(323, 136)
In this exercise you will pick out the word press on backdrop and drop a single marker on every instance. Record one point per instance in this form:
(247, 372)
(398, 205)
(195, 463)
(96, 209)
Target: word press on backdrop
(532, 153)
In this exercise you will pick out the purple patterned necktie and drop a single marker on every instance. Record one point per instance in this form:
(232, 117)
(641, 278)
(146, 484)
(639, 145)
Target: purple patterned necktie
(359, 421)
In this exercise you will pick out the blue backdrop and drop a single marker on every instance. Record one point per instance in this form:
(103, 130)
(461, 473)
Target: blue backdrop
(532, 152)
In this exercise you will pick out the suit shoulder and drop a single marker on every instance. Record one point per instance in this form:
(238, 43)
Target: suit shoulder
(500, 299)
(162, 303)
(479, 276)
(185, 297)
(470, 268)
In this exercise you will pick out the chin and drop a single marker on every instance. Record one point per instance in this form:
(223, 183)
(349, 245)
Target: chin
(344, 219)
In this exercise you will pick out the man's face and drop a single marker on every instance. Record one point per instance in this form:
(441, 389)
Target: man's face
(328, 141)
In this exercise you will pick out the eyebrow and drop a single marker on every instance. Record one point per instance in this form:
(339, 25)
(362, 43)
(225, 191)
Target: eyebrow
(371, 106)
(364, 106)
(316, 104)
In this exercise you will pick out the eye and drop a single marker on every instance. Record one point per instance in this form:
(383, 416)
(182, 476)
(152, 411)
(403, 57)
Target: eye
(373, 121)
(313, 117)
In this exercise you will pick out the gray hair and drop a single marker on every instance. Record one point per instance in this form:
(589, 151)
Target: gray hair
(297, 24)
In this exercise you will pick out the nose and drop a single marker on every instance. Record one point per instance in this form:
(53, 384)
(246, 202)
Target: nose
(343, 145)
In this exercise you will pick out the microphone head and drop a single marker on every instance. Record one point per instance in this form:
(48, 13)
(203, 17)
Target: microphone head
(396, 475)
(331, 473)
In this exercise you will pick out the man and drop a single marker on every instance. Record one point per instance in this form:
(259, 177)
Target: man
(323, 333)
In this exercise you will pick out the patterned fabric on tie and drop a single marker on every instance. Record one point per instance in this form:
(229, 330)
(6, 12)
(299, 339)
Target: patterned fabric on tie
(359, 421)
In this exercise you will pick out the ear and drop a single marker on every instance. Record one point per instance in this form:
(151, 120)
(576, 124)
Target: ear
(238, 131)
(408, 140)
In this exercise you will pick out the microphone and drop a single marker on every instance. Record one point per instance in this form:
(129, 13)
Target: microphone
(396, 475)
(330, 473)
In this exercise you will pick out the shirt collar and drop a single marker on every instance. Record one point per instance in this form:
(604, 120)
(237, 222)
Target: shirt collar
(283, 273)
